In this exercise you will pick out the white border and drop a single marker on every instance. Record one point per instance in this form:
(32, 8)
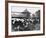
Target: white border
(24, 32)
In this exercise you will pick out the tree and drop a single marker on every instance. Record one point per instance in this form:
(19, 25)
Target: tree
(38, 15)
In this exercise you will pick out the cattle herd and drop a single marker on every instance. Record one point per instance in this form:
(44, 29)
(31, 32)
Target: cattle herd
(24, 24)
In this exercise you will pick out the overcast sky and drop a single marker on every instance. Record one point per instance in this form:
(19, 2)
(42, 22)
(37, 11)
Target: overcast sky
(21, 9)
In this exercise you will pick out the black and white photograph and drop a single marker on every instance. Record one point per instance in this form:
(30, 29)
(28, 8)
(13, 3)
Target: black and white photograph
(25, 19)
